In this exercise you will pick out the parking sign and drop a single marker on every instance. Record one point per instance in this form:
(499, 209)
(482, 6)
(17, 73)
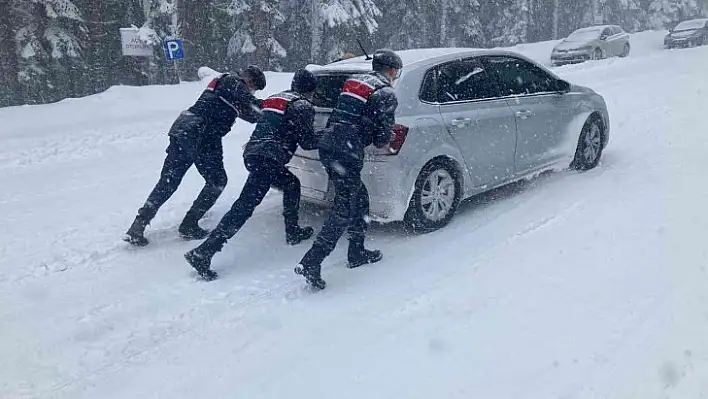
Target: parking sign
(173, 49)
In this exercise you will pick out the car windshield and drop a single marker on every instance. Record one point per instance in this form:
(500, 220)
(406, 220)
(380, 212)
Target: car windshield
(690, 25)
(584, 35)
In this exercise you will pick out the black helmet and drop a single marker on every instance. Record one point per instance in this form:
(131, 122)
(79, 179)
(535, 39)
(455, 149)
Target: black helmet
(256, 76)
(385, 58)
(303, 81)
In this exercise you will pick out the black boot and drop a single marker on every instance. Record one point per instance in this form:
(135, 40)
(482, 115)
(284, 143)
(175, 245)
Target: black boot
(296, 235)
(136, 233)
(189, 228)
(359, 256)
(312, 275)
(200, 257)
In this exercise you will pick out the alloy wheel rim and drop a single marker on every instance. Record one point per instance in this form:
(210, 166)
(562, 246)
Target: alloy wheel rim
(438, 195)
(593, 141)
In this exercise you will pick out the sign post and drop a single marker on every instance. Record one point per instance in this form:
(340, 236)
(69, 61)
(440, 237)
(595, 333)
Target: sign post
(174, 51)
(132, 45)
(134, 48)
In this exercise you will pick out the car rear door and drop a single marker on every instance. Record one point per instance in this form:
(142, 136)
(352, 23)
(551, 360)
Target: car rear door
(481, 123)
(542, 113)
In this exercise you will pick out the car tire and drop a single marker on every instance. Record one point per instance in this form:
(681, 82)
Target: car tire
(625, 50)
(597, 54)
(589, 149)
(432, 193)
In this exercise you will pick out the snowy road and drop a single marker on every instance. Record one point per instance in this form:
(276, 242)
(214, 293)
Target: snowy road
(573, 285)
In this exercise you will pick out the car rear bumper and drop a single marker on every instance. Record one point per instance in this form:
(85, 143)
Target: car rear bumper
(388, 200)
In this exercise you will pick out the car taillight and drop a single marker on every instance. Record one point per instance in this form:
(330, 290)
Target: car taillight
(399, 137)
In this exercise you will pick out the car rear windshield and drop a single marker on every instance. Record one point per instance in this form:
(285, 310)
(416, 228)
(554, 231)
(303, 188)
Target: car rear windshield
(328, 88)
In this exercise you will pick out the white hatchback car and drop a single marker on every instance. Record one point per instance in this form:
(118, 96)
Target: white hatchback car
(468, 121)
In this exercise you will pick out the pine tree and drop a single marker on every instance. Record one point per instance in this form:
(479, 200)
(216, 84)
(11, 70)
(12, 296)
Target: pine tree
(9, 67)
(343, 22)
(50, 38)
(462, 26)
(666, 13)
(253, 42)
(411, 24)
(507, 22)
(296, 32)
(161, 22)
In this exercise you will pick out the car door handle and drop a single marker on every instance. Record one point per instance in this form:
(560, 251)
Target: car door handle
(459, 122)
(524, 114)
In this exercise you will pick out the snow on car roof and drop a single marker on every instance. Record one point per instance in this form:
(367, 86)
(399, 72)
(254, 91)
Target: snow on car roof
(691, 23)
(409, 57)
(593, 28)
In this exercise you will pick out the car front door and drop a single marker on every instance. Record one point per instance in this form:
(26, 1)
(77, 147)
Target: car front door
(607, 42)
(481, 123)
(619, 39)
(542, 112)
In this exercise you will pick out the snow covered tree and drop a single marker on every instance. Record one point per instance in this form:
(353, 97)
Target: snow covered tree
(161, 22)
(410, 24)
(666, 13)
(253, 41)
(460, 23)
(507, 21)
(49, 37)
(338, 25)
(626, 13)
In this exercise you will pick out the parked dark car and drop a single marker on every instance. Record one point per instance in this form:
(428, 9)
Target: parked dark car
(689, 33)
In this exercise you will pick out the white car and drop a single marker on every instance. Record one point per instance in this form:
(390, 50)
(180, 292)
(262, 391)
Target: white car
(592, 43)
(467, 121)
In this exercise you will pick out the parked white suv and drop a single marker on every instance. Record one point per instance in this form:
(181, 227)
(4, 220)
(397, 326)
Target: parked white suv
(468, 121)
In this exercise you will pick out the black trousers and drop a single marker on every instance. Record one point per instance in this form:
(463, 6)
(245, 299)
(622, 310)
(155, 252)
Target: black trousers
(351, 205)
(263, 174)
(189, 145)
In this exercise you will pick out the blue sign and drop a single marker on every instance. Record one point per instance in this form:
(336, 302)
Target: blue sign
(173, 49)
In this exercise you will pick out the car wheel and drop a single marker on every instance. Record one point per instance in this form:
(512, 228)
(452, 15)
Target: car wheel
(597, 54)
(589, 150)
(436, 196)
(625, 50)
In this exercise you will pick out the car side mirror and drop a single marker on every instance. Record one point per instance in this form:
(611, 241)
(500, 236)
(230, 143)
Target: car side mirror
(562, 86)
(603, 37)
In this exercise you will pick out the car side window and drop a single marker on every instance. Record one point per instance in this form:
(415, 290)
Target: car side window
(606, 33)
(519, 77)
(429, 88)
(464, 80)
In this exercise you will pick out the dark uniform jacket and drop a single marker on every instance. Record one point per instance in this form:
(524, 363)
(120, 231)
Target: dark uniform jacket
(225, 99)
(287, 121)
(364, 115)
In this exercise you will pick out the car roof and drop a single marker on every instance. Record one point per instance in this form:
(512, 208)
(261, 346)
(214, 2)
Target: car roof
(594, 28)
(414, 58)
(695, 20)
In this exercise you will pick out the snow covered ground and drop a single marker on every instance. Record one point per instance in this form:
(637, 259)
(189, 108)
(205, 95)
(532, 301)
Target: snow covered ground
(573, 285)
